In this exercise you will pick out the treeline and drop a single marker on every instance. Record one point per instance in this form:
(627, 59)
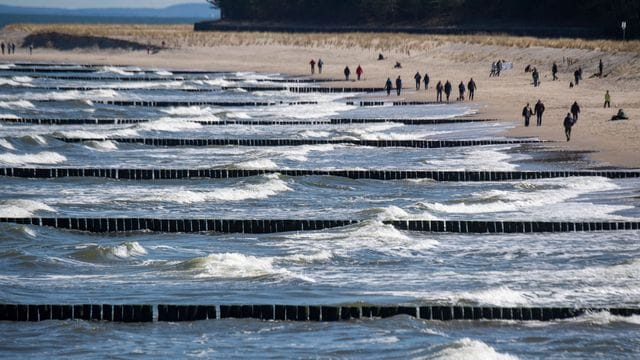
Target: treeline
(605, 14)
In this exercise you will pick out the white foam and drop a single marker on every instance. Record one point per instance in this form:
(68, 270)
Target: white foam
(103, 146)
(164, 73)
(234, 266)
(6, 66)
(501, 296)
(22, 79)
(218, 82)
(475, 159)
(265, 164)
(115, 70)
(468, 349)
(16, 105)
(538, 194)
(34, 139)
(69, 95)
(320, 256)
(238, 115)
(45, 157)
(169, 125)
(605, 318)
(22, 208)
(190, 111)
(6, 144)
(9, 116)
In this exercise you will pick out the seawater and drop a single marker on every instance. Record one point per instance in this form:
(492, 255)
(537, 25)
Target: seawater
(365, 263)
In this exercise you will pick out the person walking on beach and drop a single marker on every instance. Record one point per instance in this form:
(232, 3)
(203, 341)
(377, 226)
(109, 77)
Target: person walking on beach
(447, 89)
(359, 72)
(494, 69)
(539, 110)
(426, 81)
(461, 90)
(320, 64)
(568, 124)
(607, 100)
(31, 49)
(13, 48)
(554, 71)
(388, 85)
(2, 46)
(347, 72)
(536, 77)
(600, 68)
(418, 78)
(471, 86)
(439, 88)
(576, 77)
(526, 114)
(398, 85)
(575, 110)
(313, 66)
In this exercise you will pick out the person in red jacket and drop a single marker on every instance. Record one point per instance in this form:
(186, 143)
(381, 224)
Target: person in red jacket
(359, 72)
(313, 66)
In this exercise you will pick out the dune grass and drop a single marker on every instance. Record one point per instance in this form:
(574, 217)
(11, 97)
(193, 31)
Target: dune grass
(177, 36)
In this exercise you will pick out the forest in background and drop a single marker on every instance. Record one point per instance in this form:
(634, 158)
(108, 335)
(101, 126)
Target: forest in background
(605, 15)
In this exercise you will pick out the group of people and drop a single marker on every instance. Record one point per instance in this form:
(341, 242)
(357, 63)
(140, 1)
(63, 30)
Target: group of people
(313, 64)
(538, 111)
(496, 68)
(9, 47)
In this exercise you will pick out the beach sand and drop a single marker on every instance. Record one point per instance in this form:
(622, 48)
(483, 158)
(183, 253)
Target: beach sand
(609, 143)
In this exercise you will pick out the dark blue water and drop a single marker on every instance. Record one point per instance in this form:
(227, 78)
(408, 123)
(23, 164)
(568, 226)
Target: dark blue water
(366, 263)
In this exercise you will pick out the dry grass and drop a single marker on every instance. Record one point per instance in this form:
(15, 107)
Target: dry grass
(178, 36)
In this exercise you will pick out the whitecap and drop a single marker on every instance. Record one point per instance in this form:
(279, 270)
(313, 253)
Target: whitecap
(20, 208)
(466, 348)
(45, 157)
(115, 70)
(104, 146)
(169, 125)
(190, 111)
(17, 105)
(259, 164)
(6, 144)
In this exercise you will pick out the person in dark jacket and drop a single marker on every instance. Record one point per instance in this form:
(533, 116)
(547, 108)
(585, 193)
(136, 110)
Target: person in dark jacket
(576, 77)
(398, 85)
(554, 71)
(600, 68)
(539, 110)
(575, 110)
(388, 86)
(568, 124)
(461, 90)
(320, 64)
(447, 89)
(347, 72)
(536, 77)
(426, 81)
(418, 78)
(439, 88)
(526, 114)
(313, 66)
(471, 86)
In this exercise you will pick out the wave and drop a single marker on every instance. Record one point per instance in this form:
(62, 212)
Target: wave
(114, 70)
(475, 159)
(190, 111)
(6, 66)
(17, 105)
(238, 115)
(22, 79)
(262, 190)
(164, 73)
(605, 318)
(98, 253)
(530, 195)
(6, 144)
(68, 95)
(169, 125)
(20, 208)
(502, 296)
(45, 157)
(367, 235)
(466, 348)
(234, 266)
(260, 164)
(219, 82)
(104, 146)
(9, 82)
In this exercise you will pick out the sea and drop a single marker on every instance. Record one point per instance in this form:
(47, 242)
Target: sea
(366, 263)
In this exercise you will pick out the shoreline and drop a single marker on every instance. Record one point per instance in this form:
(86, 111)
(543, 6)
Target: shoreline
(608, 143)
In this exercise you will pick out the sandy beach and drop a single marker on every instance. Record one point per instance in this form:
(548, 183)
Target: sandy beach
(610, 143)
